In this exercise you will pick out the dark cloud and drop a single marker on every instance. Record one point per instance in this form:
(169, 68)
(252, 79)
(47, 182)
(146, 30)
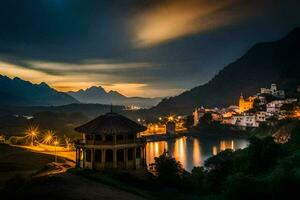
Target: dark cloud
(70, 34)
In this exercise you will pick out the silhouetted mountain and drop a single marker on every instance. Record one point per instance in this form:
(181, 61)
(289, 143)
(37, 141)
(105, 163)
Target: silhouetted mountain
(96, 94)
(18, 92)
(265, 63)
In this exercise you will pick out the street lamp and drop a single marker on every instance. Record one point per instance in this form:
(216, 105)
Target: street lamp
(48, 138)
(32, 133)
(55, 144)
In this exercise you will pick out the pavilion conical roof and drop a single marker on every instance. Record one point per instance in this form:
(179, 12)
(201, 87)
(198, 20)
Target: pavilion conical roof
(111, 124)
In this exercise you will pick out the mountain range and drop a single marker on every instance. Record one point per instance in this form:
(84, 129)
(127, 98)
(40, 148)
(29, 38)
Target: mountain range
(18, 92)
(97, 94)
(265, 63)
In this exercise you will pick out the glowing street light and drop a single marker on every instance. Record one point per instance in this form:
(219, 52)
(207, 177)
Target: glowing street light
(32, 133)
(170, 118)
(48, 137)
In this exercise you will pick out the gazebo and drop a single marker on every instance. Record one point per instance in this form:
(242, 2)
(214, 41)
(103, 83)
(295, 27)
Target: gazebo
(110, 141)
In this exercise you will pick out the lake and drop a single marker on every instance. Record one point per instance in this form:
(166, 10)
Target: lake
(192, 151)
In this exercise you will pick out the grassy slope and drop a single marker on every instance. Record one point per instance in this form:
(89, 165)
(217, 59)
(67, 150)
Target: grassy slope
(15, 160)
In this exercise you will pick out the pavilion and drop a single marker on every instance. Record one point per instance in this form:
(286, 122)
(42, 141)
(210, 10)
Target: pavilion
(110, 141)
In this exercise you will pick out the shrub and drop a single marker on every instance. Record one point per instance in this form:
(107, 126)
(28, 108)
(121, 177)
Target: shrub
(167, 169)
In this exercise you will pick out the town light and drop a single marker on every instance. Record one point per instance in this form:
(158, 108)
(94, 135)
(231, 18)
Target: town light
(48, 138)
(170, 118)
(32, 133)
(56, 143)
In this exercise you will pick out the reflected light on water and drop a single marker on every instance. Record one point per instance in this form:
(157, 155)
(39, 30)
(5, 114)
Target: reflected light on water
(214, 150)
(196, 153)
(179, 152)
(190, 151)
(155, 149)
(226, 144)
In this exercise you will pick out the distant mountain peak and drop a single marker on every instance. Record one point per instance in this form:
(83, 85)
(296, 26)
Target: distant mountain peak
(97, 94)
(43, 84)
(19, 92)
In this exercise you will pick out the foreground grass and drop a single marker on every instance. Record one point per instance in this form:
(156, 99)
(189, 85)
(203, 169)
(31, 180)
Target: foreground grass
(16, 161)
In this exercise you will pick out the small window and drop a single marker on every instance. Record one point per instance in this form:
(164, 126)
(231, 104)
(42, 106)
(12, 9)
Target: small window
(109, 138)
(88, 137)
(98, 155)
(120, 137)
(138, 152)
(130, 137)
(88, 155)
(98, 137)
(130, 154)
(109, 155)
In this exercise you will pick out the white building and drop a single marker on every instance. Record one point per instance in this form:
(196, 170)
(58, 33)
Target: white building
(274, 106)
(261, 116)
(245, 120)
(198, 113)
(273, 91)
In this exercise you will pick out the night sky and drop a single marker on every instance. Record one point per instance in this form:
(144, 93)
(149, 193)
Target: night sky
(138, 47)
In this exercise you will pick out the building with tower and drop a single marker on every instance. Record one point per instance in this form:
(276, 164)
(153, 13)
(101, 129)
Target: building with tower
(246, 104)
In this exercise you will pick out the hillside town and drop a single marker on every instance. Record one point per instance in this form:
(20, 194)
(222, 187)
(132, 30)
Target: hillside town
(270, 104)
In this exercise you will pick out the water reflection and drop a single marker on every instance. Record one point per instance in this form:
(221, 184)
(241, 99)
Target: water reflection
(191, 151)
(196, 153)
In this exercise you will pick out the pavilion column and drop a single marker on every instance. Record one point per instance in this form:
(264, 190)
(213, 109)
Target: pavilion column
(134, 157)
(114, 158)
(144, 156)
(83, 161)
(103, 158)
(126, 158)
(92, 158)
(102, 155)
(77, 157)
(114, 139)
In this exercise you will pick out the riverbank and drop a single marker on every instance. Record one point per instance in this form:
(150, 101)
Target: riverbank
(212, 134)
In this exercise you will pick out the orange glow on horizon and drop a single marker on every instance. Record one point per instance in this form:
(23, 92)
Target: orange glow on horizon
(75, 82)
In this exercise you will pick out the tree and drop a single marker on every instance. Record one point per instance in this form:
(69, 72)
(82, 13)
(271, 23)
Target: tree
(263, 154)
(219, 167)
(167, 169)
(205, 120)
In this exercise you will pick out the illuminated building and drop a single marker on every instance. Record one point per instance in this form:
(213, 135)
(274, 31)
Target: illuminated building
(245, 120)
(198, 113)
(171, 128)
(273, 91)
(274, 106)
(110, 141)
(261, 116)
(246, 104)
